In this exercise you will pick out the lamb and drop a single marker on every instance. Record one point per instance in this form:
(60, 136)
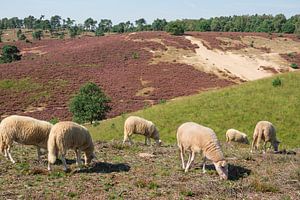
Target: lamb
(233, 135)
(138, 125)
(264, 131)
(69, 135)
(24, 130)
(195, 138)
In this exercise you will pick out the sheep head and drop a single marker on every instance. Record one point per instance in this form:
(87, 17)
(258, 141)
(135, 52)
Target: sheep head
(222, 169)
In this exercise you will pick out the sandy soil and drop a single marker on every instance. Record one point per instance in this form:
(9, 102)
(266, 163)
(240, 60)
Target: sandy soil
(231, 63)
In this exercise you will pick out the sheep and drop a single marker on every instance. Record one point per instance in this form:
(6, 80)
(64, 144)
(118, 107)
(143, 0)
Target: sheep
(138, 125)
(264, 131)
(69, 135)
(24, 130)
(195, 138)
(233, 135)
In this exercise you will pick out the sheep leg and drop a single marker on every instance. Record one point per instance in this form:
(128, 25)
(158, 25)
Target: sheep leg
(182, 157)
(149, 140)
(38, 149)
(63, 159)
(203, 165)
(78, 159)
(146, 140)
(191, 159)
(9, 155)
(49, 166)
(5, 153)
(253, 144)
(264, 147)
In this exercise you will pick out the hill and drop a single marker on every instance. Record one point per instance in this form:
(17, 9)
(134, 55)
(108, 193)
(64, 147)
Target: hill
(239, 107)
(137, 70)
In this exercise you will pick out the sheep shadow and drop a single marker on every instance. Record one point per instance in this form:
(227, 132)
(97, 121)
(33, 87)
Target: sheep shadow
(235, 172)
(106, 168)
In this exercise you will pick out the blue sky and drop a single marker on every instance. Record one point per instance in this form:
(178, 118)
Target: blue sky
(124, 10)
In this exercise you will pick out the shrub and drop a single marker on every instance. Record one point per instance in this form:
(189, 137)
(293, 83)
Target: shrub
(291, 54)
(175, 28)
(276, 82)
(54, 120)
(73, 31)
(99, 32)
(37, 35)
(9, 54)
(294, 66)
(135, 55)
(22, 37)
(90, 104)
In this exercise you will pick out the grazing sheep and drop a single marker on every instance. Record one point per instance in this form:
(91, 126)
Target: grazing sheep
(233, 135)
(264, 131)
(196, 138)
(138, 125)
(69, 135)
(24, 130)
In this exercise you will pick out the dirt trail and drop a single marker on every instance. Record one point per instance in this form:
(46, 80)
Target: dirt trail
(235, 65)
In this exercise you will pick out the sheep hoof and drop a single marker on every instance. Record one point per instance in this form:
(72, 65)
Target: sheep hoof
(204, 171)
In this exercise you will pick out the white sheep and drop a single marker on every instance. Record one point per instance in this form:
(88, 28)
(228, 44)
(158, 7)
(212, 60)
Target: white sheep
(195, 138)
(264, 131)
(24, 130)
(233, 135)
(69, 135)
(138, 125)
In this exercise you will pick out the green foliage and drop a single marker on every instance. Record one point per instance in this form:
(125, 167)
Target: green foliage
(135, 55)
(9, 54)
(294, 66)
(240, 106)
(54, 120)
(159, 24)
(99, 32)
(90, 104)
(37, 35)
(19, 32)
(175, 28)
(74, 31)
(22, 37)
(276, 82)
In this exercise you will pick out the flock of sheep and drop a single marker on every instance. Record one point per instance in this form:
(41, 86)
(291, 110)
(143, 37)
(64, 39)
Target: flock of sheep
(58, 138)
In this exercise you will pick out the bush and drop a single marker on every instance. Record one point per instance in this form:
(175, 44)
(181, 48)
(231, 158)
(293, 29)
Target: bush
(99, 32)
(37, 35)
(294, 66)
(276, 82)
(90, 104)
(22, 37)
(54, 120)
(74, 31)
(175, 28)
(10, 54)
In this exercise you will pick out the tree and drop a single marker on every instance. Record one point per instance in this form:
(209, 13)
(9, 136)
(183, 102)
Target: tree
(29, 22)
(10, 54)
(55, 22)
(159, 24)
(105, 25)
(73, 31)
(89, 24)
(37, 35)
(90, 104)
(140, 24)
(1, 36)
(175, 28)
(99, 32)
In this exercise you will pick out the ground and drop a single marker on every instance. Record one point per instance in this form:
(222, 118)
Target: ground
(150, 172)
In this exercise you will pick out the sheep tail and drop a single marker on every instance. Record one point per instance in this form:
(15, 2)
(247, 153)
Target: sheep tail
(52, 150)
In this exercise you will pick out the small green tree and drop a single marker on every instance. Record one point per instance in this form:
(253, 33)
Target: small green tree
(73, 31)
(10, 54)
(37, 35)
(175, 28)
(99, 32)
(90, 104)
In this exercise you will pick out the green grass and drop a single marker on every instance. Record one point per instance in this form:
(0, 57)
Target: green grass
(24, 84)
(239, 107)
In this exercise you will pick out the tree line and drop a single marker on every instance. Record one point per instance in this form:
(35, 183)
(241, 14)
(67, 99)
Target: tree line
(244, 23)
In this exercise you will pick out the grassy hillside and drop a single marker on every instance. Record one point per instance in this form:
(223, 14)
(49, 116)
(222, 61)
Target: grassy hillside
(239, 107)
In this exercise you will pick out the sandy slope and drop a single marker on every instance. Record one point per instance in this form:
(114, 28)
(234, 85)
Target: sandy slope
(246, 67)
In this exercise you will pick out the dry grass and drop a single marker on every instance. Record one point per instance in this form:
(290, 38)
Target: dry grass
(120, 173)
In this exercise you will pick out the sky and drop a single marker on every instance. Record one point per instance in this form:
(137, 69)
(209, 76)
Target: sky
(124, 10)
